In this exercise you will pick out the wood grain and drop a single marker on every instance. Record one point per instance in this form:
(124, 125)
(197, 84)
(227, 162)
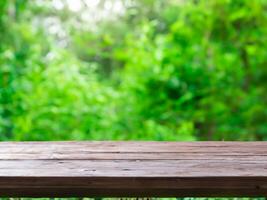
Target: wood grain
(133, 169)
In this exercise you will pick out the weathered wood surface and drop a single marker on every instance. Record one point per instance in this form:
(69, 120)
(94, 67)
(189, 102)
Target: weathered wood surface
(116, 169)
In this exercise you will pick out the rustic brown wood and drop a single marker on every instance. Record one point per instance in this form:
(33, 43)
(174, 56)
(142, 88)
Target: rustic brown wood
(133, 169)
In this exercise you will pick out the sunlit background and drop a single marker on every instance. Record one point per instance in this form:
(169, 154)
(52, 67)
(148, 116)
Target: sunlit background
(179, 70)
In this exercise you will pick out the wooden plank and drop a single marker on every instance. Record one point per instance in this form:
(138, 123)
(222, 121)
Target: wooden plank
(124, 168)
(121, 169)
(130, 156)
(182, 147)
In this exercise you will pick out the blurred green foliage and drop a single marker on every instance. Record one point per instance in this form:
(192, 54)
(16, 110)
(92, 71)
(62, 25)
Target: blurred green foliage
(155, 70)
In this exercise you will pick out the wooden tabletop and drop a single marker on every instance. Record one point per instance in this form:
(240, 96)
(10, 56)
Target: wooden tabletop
(133, 169)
